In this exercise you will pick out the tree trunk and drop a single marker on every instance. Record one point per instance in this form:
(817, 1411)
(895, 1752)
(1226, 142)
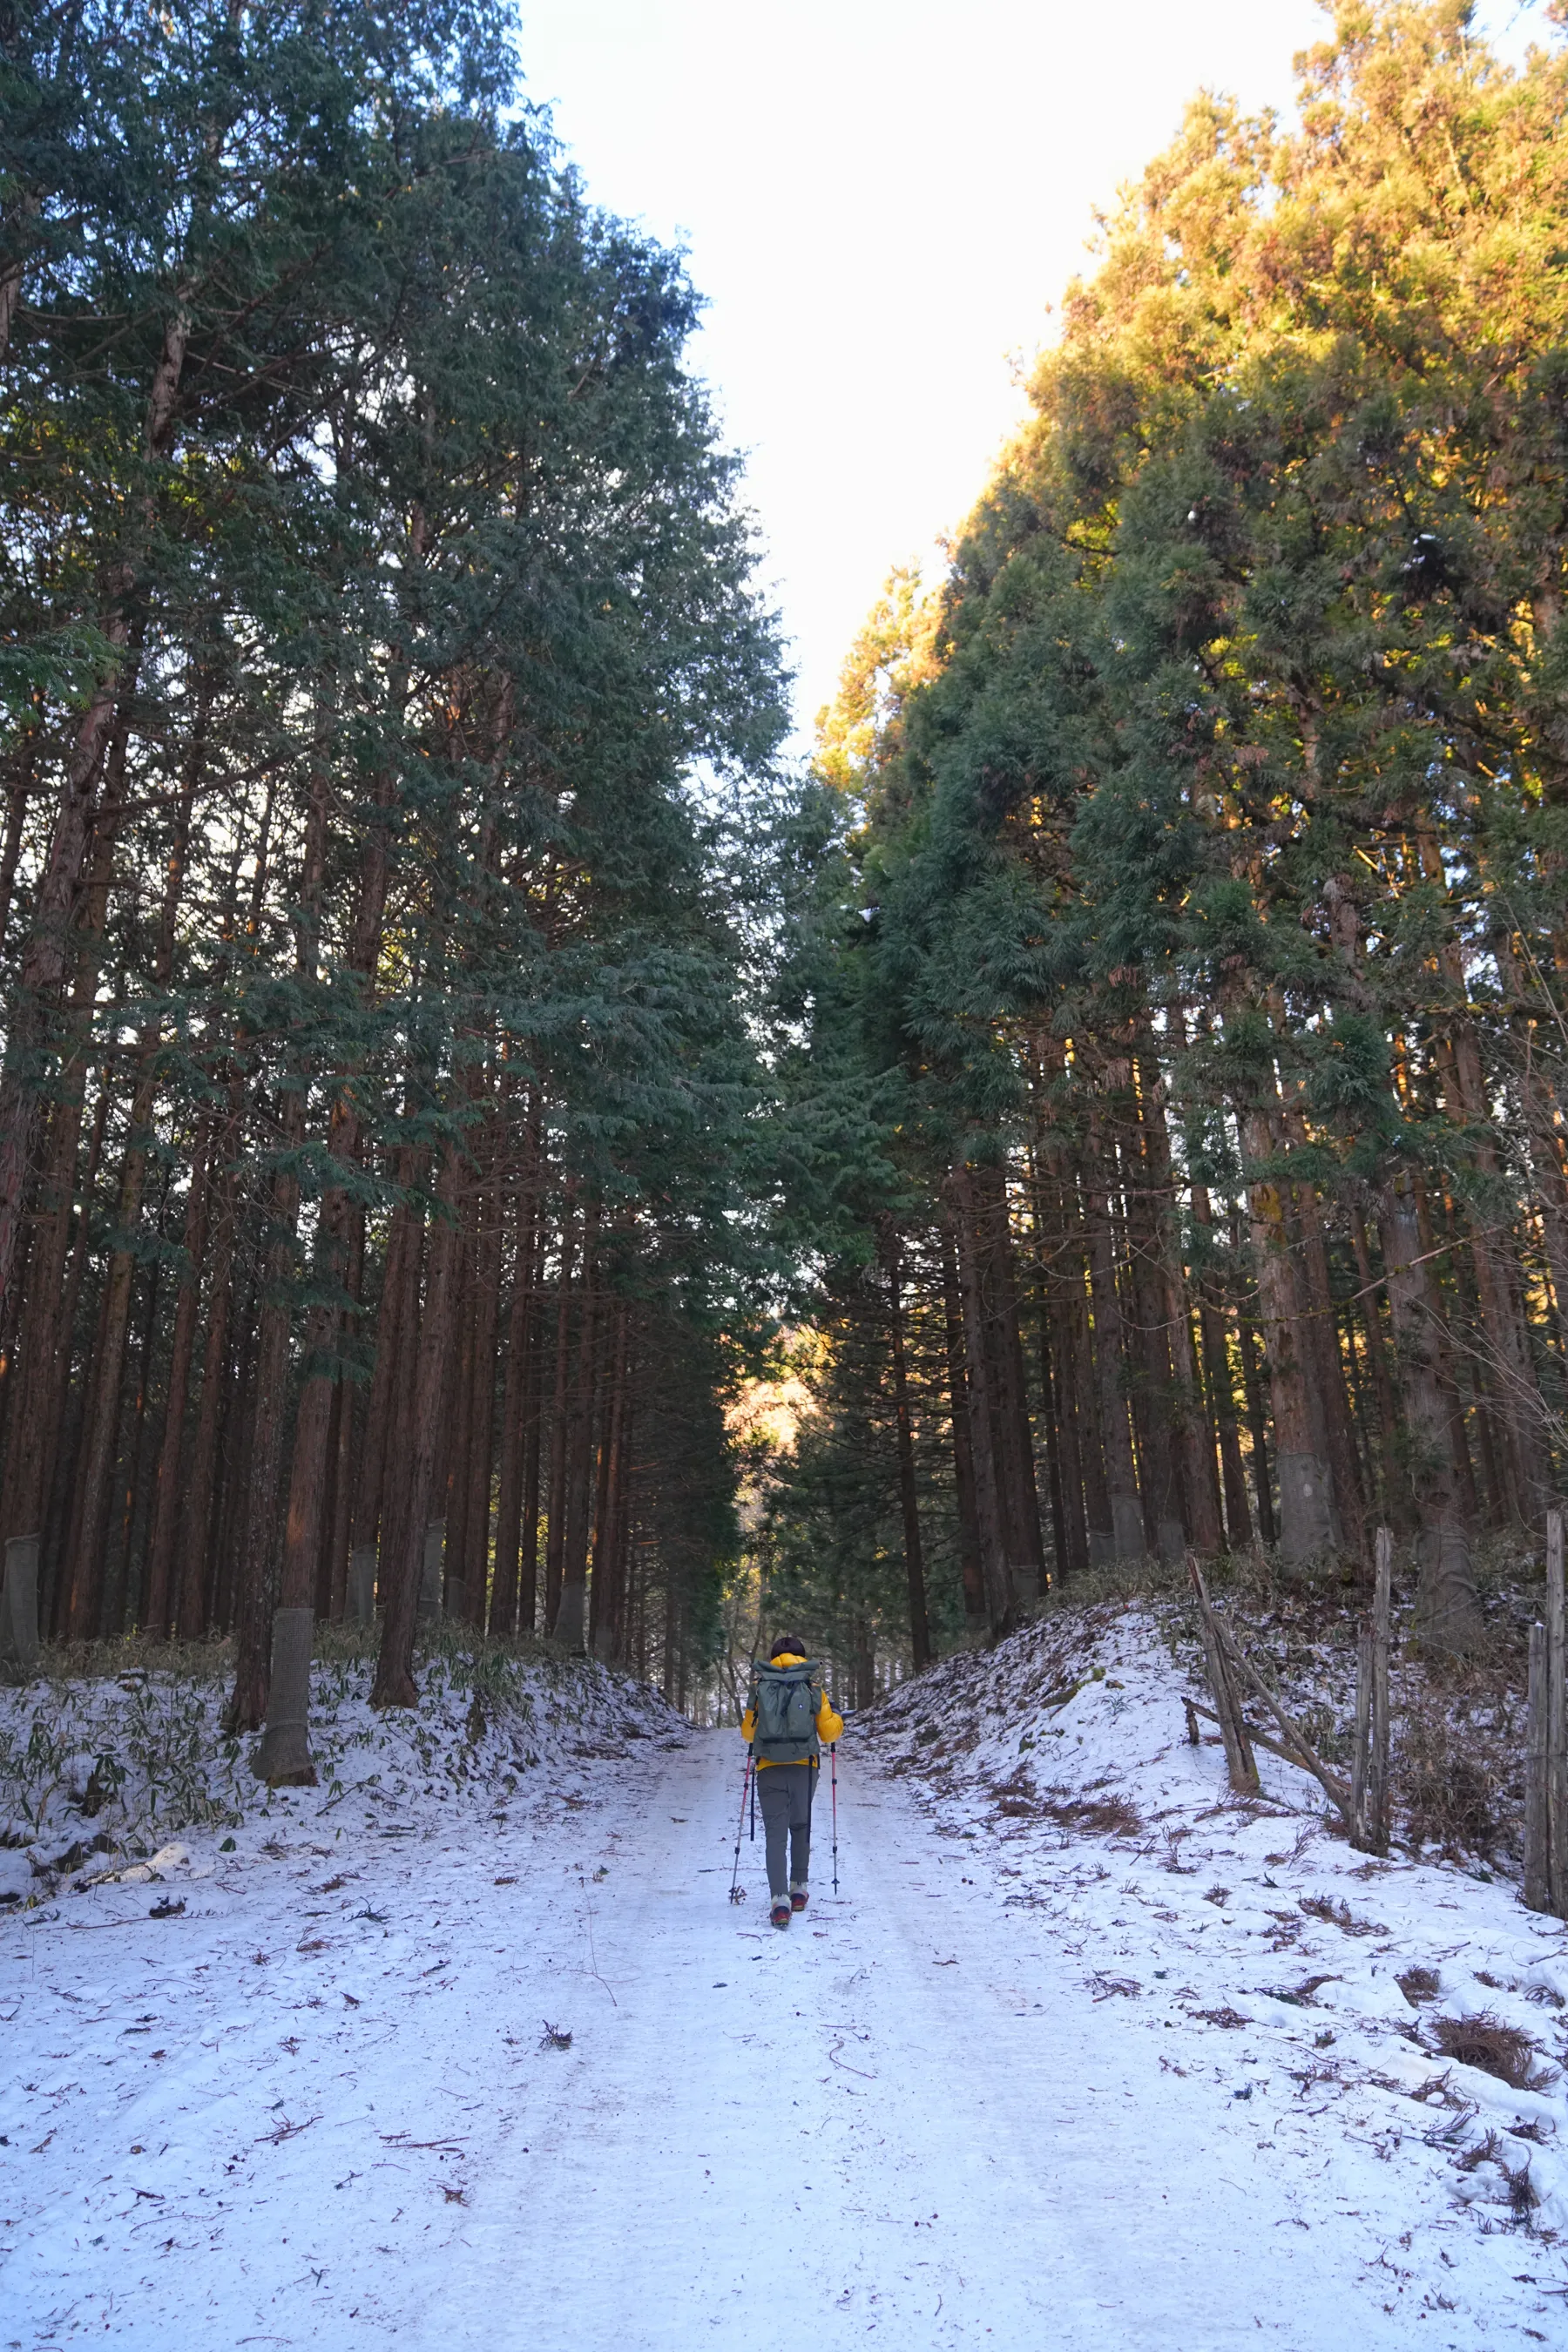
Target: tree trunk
(1328, 1381)
(182, 1351)
(1220, 1390)
(482, 1405)
(247, 1709)
(1306, 1523)
(195, 1521)
(555, 1533)
(395, 1685)
(22, 765)
(983, 1415)
(1015, 1446)
(515, 1401)
(1447, 1611)
(607, 1633)
(963, 1448)
(914, 1562)
(399, 1305)
(1257, 1425)
(1126, 1536)
(77, 827)
(571, 1616)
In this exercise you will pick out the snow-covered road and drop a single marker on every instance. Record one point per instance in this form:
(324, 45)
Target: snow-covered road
(314, 2106)
(905, 2118)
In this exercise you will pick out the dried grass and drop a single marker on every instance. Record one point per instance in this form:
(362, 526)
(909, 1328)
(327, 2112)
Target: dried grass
(1094, 1816)
(1418, 1984)
(1505, 2052)
(1339, 1915)
(1305, 1994)
(1105, 1986)
(1097, 1815)
(1448, 1777)
(1524, 2197)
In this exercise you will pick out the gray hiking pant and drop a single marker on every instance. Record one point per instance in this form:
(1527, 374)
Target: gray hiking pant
(784, 1792)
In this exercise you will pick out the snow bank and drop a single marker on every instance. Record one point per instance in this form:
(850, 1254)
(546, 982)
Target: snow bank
(1247, 1934)
(97, 1773)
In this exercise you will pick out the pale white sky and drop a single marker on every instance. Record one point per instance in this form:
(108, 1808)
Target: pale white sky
(881, 203)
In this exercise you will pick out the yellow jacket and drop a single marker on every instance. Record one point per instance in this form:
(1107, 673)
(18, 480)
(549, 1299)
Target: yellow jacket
(829, 1722)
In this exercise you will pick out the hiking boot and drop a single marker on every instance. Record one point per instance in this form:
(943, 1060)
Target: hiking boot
(781, 1915)
(797, 1898)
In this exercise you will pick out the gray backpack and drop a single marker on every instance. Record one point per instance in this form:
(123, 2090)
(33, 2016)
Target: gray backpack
(786, 1700)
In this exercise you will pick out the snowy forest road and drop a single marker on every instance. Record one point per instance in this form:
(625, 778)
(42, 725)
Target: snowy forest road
(905, 2118)
(909, 2117)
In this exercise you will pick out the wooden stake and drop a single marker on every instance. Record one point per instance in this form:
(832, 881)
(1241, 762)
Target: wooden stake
(1270, 1745)
(1303, 1754)
(1369, 1787)
(1537, 1845)
(1240, 1763)
(1382, 1607)
(1361, 1828)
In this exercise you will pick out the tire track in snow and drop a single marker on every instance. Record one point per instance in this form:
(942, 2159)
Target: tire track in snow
(906, 2117)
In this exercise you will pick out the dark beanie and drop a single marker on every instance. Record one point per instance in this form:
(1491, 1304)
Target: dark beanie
(791, 1643)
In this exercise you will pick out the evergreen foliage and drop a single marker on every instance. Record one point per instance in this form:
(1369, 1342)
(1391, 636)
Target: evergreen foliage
(374, 1122)
(1206, 825)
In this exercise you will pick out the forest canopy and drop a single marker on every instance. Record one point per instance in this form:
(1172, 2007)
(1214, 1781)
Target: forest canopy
(376, 1169)
(1206, 826)
(447, 1044)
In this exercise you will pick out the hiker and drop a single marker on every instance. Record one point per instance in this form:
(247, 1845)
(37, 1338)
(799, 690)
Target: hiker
(784, 1726)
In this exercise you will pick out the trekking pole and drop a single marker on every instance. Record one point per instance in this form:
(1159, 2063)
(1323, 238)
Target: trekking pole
(737, 1892)
(833, 1752)
(754, 1800)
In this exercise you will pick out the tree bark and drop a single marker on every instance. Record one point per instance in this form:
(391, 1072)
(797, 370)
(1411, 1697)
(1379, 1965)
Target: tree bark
(182, 1351)
(606, 1626)
(1307, 1522)
(195, 1518)
(1220, 1390)
(395, 1685)
(247, 1709)
(914, 1560)
(481, 1404)
(43, 962)
(103, 1413)
(398, 1306)
(1448, 1608)
(556, 1532)
(1321, 1345)
(50, 1313)
(517, 1399)
(1126, 1534)
(968, 1557)
(1016, 1441)
(571, 1615)
(983, 1415)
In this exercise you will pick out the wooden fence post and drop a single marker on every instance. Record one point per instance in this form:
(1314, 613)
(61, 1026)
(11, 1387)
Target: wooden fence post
(19, 1607)
(1369, 1788)
(1240, 1763)
(1537, 1846)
